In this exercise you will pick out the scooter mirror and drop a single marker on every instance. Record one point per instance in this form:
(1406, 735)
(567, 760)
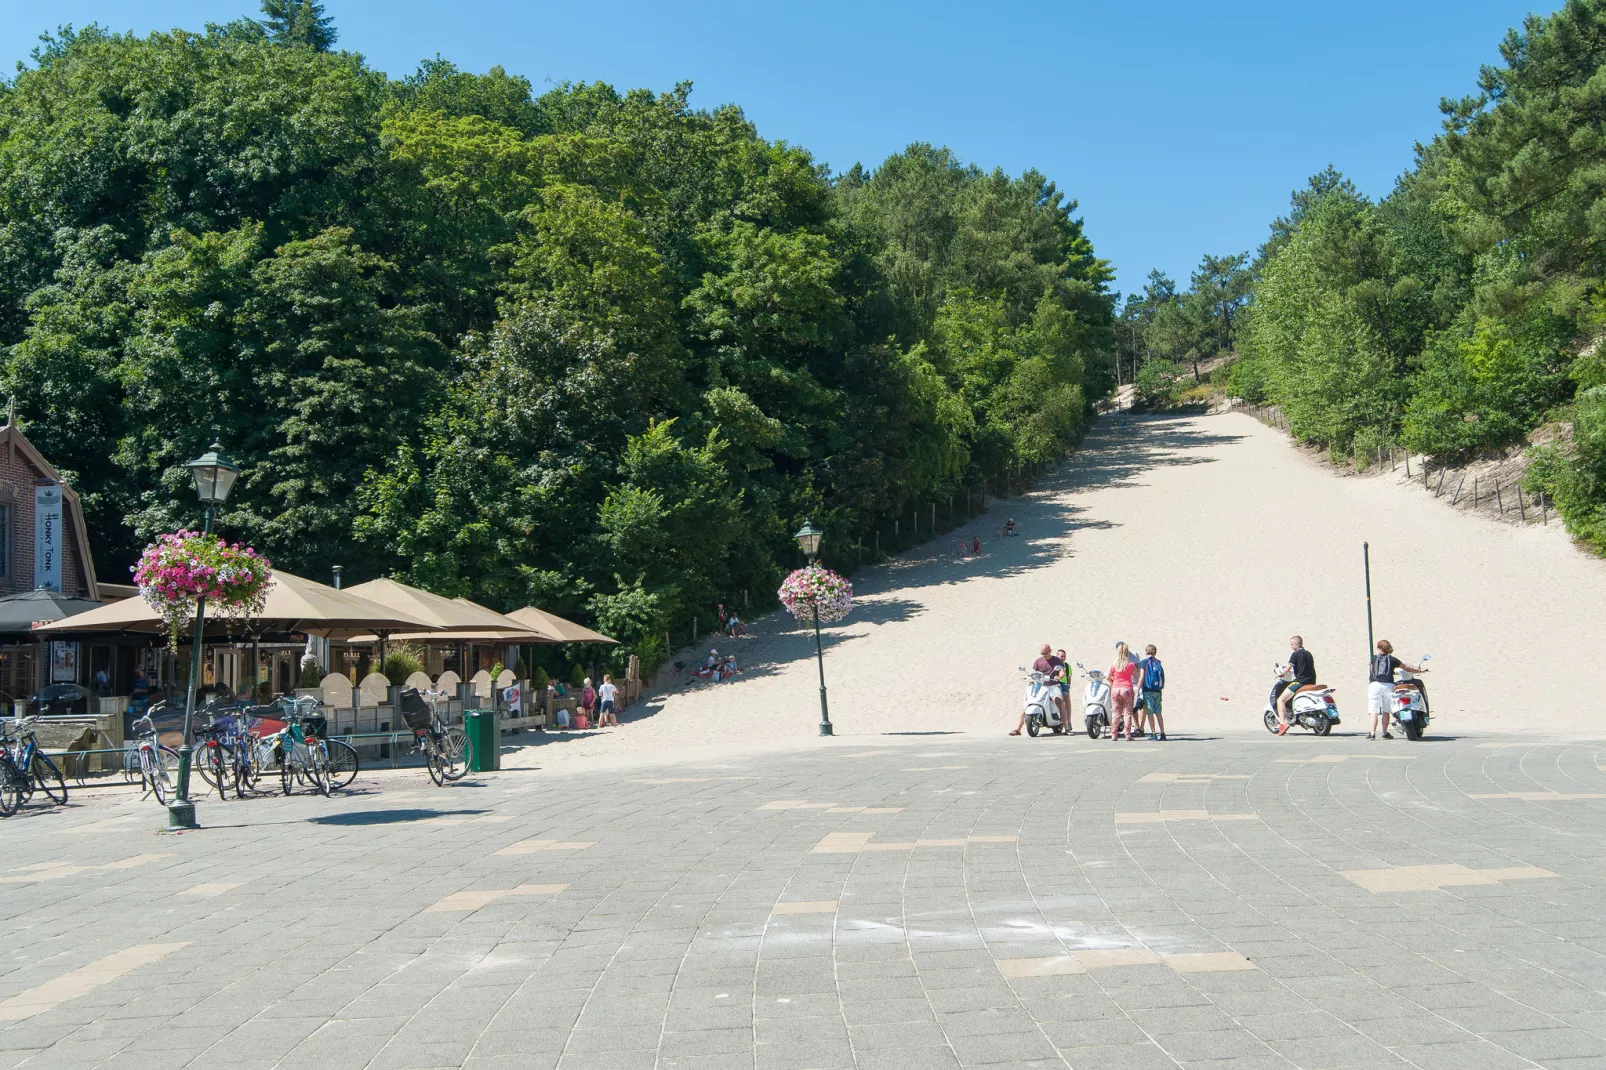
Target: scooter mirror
(1427, 657)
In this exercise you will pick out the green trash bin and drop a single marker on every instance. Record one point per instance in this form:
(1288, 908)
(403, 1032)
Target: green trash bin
(484, 731)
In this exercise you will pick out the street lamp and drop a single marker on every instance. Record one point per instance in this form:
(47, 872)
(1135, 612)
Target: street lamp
(214, 476)
(808, 540)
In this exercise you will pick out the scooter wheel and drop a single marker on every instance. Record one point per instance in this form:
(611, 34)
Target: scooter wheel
(1092, 728)
(1325, 728)
(1032, 727)
(1271, 722)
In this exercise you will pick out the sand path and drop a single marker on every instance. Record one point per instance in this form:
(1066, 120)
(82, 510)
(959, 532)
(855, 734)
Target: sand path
(1209, 536)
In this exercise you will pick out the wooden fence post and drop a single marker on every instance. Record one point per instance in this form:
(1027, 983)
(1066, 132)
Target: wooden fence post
(1499, 500)
(1439, 487)
(1457, 495)
(1474, 492)
(1407, 464)
(1522, 506)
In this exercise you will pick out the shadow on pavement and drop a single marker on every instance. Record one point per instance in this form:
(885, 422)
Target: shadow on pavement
(388, 817)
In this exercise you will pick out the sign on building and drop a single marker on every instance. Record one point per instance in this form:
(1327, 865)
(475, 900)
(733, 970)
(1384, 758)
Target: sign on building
(47, 538)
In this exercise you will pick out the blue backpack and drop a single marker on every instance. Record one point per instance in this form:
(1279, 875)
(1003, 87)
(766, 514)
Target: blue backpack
(1153, 675)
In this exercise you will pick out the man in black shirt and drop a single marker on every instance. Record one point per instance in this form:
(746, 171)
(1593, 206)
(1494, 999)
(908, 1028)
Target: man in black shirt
(1304, 667)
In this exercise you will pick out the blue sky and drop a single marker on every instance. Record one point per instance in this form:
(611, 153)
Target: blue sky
(1180, 127)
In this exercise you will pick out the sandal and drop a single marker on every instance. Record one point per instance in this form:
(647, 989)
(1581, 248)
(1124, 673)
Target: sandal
(1015, 732)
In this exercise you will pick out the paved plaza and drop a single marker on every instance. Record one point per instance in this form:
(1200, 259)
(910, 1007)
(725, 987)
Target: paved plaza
(914, 903)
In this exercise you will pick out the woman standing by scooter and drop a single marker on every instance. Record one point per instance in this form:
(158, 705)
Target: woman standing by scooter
(1380, 687)
(1123, 691)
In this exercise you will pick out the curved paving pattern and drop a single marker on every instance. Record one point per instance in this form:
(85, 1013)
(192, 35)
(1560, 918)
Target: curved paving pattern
(1244, 902)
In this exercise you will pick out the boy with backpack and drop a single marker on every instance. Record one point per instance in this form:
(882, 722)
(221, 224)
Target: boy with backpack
(1153, 676)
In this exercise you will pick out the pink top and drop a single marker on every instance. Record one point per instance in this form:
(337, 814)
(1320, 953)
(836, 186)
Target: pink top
(1122, 677)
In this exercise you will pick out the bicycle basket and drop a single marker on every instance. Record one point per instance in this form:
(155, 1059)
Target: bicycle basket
(414, 710)
(317, 727)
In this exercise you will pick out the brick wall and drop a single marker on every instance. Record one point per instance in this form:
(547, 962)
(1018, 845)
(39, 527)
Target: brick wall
(17, 480)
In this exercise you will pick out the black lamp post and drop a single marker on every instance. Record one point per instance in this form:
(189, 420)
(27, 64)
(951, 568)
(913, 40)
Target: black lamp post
(214, 476)
(808, 540)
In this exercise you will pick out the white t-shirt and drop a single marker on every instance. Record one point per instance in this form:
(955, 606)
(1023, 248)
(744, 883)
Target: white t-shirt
(608, 693)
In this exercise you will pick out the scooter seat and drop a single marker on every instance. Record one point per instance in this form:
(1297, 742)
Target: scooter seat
(1308, 688)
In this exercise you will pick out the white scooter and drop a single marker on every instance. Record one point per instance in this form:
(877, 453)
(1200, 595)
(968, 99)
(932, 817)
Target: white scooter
(1095, 703)
(1041, 709)
(1311, 708)
(1410, 703)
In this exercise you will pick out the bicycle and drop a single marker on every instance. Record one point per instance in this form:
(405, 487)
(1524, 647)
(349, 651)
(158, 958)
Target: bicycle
(30, 766)
(444, 748)
(308, 755)
(157, 763)
(215, 757)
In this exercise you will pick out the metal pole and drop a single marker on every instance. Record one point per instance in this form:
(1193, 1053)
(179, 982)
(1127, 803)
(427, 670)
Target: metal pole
(819, 656)
(1366, 559)
(181, 811)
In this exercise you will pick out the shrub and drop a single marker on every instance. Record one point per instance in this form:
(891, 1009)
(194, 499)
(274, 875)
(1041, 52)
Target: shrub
(400, 663)
(1157, 384)
(1573, 475)
(311, 676)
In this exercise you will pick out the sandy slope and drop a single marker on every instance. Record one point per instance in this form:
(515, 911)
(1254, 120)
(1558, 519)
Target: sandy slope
(1212, 538)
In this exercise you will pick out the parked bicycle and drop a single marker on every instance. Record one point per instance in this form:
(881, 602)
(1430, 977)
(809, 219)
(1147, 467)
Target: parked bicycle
(30, 767)
(152, 763)
(306, 755)
(444, 748)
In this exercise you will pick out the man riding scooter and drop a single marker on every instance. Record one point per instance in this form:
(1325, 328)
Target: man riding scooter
(1304, 669)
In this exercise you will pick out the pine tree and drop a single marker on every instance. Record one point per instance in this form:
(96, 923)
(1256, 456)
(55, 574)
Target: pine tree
(299, 22)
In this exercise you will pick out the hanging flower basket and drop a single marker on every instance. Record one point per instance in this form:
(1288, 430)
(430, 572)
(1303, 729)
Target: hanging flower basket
(813, 588)
(178, 569)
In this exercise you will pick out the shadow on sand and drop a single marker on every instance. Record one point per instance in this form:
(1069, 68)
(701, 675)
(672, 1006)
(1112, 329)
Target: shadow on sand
(1118, 451)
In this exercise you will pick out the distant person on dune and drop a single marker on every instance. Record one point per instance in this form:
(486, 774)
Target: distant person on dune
(975, 546)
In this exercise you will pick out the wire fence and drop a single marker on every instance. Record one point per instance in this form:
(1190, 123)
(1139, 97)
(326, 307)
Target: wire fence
(1488, 488)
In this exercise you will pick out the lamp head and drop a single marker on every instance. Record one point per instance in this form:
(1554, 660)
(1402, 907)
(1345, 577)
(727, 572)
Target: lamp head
(214, 475)
(808, 539)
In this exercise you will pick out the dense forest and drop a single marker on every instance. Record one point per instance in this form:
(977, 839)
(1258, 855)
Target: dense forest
(1468, 308)
(599, 351)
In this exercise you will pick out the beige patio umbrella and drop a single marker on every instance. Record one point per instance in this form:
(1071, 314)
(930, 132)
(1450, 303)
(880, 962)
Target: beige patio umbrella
(294, 604)
(448, 619)
(555, 628)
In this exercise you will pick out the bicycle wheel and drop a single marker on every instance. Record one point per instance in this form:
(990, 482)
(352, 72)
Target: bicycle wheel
(10, 790)
(49, 779)
(318, 768)
(454, 753)
(289, 770)
(202, 757)
(160, 770)
(342, 763)
(432, 761)
(246, 772)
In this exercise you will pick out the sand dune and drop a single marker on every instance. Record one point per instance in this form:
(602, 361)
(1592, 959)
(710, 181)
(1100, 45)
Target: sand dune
(1209, 536)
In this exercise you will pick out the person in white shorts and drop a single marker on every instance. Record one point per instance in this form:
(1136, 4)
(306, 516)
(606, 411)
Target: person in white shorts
(607, 695)
(1380, 687)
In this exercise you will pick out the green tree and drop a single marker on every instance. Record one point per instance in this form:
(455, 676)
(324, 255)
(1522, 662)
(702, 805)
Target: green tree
(299, 22)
